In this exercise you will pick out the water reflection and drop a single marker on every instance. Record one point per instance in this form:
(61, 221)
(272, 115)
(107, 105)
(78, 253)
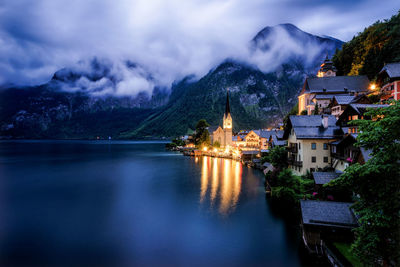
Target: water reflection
(221, 181)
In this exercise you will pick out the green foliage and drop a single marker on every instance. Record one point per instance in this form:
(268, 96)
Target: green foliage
(175, 143)
(367, 52)
(293, 111)
(303, 112)
(217, 144)
(289, 187)
(277, 156)
(375, 99)
(345, 249)
(377, 185)
(202, 137)
(264, 159)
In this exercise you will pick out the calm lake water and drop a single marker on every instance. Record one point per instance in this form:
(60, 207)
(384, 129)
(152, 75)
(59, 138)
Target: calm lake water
(101, 203)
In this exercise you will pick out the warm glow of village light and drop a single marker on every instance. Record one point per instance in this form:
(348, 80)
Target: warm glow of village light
(372, 86)
(205, 148)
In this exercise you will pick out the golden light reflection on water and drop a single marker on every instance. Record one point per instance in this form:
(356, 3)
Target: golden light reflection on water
(221, 181)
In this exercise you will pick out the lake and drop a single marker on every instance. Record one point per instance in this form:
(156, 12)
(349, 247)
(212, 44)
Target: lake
(120, 203)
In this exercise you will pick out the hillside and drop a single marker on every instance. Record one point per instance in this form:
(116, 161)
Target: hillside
(368, 51)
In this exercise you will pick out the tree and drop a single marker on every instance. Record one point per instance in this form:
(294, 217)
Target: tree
(290, 188)
(278, 157)
(202, 137)
(217, 144)
(293, 111)
(367, 52)
(377, 186)
(316, 109)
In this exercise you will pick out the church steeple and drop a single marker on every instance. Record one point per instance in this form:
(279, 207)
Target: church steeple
(327, 68)
(227, 121)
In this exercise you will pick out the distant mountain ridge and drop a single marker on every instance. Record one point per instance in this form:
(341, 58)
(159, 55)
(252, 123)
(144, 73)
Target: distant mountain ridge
(93, 98)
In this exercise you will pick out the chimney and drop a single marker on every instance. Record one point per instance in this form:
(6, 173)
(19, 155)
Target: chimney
(325, 121)
(345, 90)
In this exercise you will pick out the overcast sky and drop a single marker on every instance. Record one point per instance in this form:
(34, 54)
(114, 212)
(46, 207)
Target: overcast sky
(38, 37)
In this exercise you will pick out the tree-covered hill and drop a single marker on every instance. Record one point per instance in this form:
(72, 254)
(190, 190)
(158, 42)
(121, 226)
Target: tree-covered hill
(368, 51)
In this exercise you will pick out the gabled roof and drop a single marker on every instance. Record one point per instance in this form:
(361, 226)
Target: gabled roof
(212, 129)
(327, 213)
(277, 142)
(336, 84)
(324, 177)
(361, 108)
(263, 133)
(344, 99)
(310, 127)
(392, 70)
(323, 97)
(310, 120)
(318, 133)
(352, 137)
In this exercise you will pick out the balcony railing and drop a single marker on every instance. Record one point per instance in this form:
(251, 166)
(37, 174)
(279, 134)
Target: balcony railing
(338, 156)
(294, 162)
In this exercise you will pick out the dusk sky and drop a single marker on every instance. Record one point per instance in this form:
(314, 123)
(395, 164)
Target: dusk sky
(39, 37)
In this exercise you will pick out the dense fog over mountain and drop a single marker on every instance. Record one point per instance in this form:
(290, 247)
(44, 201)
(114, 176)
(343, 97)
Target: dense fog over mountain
(167, 39)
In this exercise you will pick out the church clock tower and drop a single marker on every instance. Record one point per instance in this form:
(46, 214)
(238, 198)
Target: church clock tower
(227, 123)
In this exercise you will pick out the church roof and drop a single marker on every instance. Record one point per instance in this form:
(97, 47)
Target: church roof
(212, 129)
(327, 65)
(336, 84)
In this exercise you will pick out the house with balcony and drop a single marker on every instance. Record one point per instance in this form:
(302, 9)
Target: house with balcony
(308, 139)
(344, 152)
(355, 112)
(389, 81)
(340, 103)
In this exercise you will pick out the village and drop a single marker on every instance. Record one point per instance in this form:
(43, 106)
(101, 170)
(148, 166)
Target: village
(319, 142)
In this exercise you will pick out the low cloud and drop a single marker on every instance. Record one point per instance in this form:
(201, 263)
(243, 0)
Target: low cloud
(168, 40)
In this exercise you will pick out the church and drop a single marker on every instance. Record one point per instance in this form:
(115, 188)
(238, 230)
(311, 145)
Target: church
(223, 135)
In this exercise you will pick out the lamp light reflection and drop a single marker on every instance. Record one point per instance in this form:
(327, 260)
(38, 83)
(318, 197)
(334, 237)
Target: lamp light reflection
(221, 179)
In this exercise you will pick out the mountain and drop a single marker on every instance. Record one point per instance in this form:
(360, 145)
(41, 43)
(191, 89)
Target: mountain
(100, 98)
(258, 99)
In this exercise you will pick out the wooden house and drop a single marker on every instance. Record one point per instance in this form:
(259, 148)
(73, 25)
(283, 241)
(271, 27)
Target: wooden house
(389, 81)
